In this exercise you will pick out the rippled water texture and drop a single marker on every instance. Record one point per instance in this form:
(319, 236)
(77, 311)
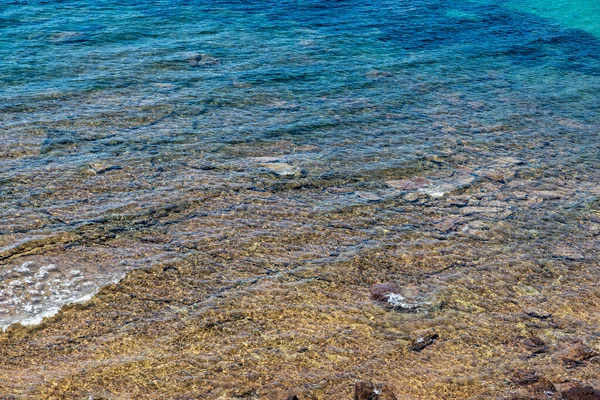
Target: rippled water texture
(449, 147)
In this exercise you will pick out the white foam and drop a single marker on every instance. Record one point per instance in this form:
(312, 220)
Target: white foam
(397, 300)
(51, 304)
(49, 312)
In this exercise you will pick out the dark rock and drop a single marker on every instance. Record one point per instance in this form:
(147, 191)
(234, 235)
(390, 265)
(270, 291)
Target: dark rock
(367, 390)
(571, 363)
(381, 291)
(202, 60)
(524, 377)
(537, 313)
(535, 345)
(170, 269)
(423, 341)
(581, 393)
(293, 397)
(543, 386)
(537, 387)
(108, 169)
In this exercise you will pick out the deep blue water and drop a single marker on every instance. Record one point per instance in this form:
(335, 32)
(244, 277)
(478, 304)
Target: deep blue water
(401, 58)
(375, 86)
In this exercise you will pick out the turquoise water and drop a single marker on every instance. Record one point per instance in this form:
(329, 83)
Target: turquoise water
(581, 14)
(349, 90)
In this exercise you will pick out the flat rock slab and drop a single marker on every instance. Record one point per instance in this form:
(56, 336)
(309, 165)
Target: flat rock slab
(371, 197)
(283, 170)
(410, 184)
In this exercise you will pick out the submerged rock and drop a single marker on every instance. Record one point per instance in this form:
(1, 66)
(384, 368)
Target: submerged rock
(543, 385)
(433, 188)
(68, 37)
(581, 352)
(99, 168)
(409, 184)
(381, 291)
(201, 60)
(581, 393)
(370, 197)
(283, 170)
(535, 345)
(525, 377)
(390, 295)
(537, 313)
(535, 386)
(576, 355)
(367, 390)
(423, 341)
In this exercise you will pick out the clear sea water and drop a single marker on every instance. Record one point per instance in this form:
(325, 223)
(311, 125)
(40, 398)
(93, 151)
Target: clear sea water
(110, 108)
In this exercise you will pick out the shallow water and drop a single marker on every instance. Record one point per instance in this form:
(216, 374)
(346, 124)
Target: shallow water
(134, 135)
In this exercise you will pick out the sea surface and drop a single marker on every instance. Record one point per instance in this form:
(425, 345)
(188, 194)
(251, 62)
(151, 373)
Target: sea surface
(479, 120)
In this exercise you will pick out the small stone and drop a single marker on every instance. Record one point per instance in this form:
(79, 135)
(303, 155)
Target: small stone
(371, 197)
(69, 37)
(367, 390)
(201, 60)
(538, 313)
(495, 174)
(423, 341)
(412, 197)
(534, 202)
(570, 363)
(390, 295)
(471, 210)
(568, 252)
(537, 388)
(409, 184)
(382, 291)
(543, 386)
(375, 74)
(546, 194)
(265, 159)
(457, 201)
(244, 392)
(518, 195)
(525, 377)
(99, 168)
(581, 393)
(535, 344)
(283, 170)
(449, 225)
